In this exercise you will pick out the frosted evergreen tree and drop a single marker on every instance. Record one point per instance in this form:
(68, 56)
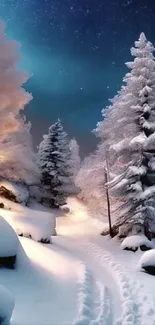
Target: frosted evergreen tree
(128, 138)
(75, 157)
(54, 158)
(17, 158)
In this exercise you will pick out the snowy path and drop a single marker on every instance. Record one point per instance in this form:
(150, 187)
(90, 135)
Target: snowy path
(94, 301)
(97, 308)
(130, 301)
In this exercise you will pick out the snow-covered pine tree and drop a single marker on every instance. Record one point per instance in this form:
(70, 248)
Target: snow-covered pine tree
(75, 157)
(128, 138)
(17, 158)
(54, 158)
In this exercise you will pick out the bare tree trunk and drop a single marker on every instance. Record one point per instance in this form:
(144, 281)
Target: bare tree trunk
(108, 199)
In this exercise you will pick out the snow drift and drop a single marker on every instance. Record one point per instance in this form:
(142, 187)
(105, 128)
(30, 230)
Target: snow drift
(39, 226)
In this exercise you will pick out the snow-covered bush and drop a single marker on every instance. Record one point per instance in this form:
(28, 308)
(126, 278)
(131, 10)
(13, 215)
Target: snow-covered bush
(7, 304)
(54, 161)
(128, 138)
(17, 158)
(37, 225)
(147, 262)
(134, 242)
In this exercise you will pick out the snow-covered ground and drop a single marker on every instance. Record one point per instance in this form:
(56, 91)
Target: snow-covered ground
(81, 278)
(131, 292)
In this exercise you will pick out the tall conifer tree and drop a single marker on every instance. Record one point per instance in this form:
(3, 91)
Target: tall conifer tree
(54, 160)
(128, 137)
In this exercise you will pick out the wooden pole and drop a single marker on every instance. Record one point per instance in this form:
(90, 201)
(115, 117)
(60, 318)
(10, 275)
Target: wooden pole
(108, 199)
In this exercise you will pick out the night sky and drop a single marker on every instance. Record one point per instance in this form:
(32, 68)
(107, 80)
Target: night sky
(76, 50)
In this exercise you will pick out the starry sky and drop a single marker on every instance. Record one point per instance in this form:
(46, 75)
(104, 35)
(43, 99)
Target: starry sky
(76, 50)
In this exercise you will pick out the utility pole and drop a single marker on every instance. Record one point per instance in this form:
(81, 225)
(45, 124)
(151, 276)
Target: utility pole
(107, 179)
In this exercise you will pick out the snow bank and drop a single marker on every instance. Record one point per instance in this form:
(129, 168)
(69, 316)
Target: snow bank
(8, 239)
(136, 241)
(20, 191)
(7, 304)
(39, 226)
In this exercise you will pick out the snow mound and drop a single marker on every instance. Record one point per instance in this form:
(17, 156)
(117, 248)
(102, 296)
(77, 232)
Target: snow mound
(7, 303)
(8, 239)
(148, 258)
(147, 262)
(39, 226)
(136, 241)
(20, 191)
